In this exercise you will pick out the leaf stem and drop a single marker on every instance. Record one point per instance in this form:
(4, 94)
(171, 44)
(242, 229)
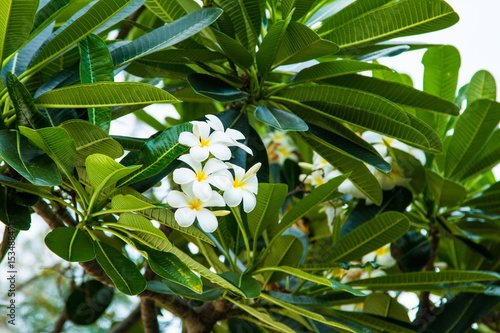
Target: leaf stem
(237, 216)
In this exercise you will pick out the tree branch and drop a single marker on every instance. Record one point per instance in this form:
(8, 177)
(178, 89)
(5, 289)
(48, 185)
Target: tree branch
(149, 315)
(131, 320)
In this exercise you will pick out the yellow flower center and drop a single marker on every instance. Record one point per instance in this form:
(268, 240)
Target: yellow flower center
(200, 176)
(195, 204)
(283, 152)
(237, 183)
(204, 143)
(382, 251)
(277, 136)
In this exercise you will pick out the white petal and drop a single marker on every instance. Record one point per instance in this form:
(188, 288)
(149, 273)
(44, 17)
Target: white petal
(371, 137)
(214, 165)
(221, 151)
(183, 176)
(188, 139)
(214, 122)
(251, 184)
(189, 160)
(382, 149)
(245, 148)
(253, 170)
(249, 201)
(184, 216)
(199, 153)
(369, 257)
(235, 134)
(233, 197)
(188, 191)
(215, 200)
(239, 172)
(220, 137)
(221, 182)
(202, 190)
(208, 221)
(203, 130)
(177, 199)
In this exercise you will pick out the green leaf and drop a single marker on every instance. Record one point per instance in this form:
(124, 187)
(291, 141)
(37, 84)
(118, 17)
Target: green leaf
(15, 25)
(310, 201)
(168, 10)
(489, 198)
(360, 176)
(26, 112)
(384, 305)
(233, 49)
(423, 280)
(269, 200)
(473, 129)
(144, 230)
(270, 44)
(90, 139)
(286, 251)
(165, 36)
(446, 193)
(183, 56)
(103, 94)
(265, 317)
(122, 271)
(47, 14)
(245, 283)
(103, 171)
(385, 22)
(374, 322)
(279, 119)
(396, 92)
(170, 267)
(56, 143)
(246, 18)
(331, 69)
(306, 313)
(128, 203)
(481, 86)
(31, 162)
(12, 214)
(368, 237)
(43, 191)
(301, 8)
(96, 65)
(71, 244)
(158, 153)
(88, 302)
(488, 158)
(78, 29)
(147, 69)
(171, 288)
(215, 88)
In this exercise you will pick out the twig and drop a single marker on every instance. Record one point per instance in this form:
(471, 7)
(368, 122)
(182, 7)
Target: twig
(126, 27)
(59, 325)
(127, 323)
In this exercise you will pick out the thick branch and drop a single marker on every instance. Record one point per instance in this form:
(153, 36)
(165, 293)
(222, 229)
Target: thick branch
(149, 316)
(126, 325)
(48, 215)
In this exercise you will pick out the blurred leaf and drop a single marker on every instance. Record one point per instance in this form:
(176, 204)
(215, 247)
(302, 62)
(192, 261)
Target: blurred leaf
(378, 323)
(88, 302)
(326, 70)
(473, 129)
(215, 88)
(96, 65)
(12, 214)
(171, 288)
(446, 192)
(481, 86)
(269, 200)
(384, 305)
(103, 94)
(122, 271)
(413, 251)
(245, 283)
(71, 244)
(30, 161)
(487, 200)
(368, 237)
(255, 143)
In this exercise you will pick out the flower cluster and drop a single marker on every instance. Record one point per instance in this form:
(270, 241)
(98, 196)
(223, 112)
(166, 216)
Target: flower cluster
(279, 147)
(209, 147)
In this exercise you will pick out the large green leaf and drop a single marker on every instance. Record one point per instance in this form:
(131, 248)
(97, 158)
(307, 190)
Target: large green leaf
(481, 86)
(171, 288)
(183, 56)
(331, 69)
(56, 143)
(165, 36)
(489, 198)
(215, 88)
(31, 162)
(286, 251)
(299, 7)
(43, 191)
(280, 119)
(90, 139)
(374, 322)
(269, 201)
(16, 22)
(386, 22)
(103, 94)
(103, 171)
(473, 129)
(304, 206)
(158, 153)
(71, 244)
(361, 177)
(396, 92)
(233, 50)
(263, 316)
(368, 237)
(26, 112)
(270, 44)
(12, 214)
(96, 65)
(170, 10)
(488, 158)
(122, 271)
(47, 14)
(246, 18)
(446, 192)
(423, 280)
(143, 230)
(78, 29)
(128, 203)
(245, 283)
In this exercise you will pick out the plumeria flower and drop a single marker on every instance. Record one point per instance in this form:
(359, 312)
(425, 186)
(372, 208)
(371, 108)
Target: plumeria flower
(244, 186)
(202, 177)
(203, 143)
(392, 179)
(381, 256)
(189, 208)
(279, 147)
(215, 123)
(380, 143)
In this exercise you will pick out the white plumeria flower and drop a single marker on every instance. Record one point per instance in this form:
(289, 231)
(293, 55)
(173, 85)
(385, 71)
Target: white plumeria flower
(347, 187)
(381, 256)
(279, 147)
(189, 208)
(319, 163)
(315, 178)
(202, 177)
(244, 186)
(380, 143)
(372, 274)
(392, 179)
(215, 123)
(203, 143)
